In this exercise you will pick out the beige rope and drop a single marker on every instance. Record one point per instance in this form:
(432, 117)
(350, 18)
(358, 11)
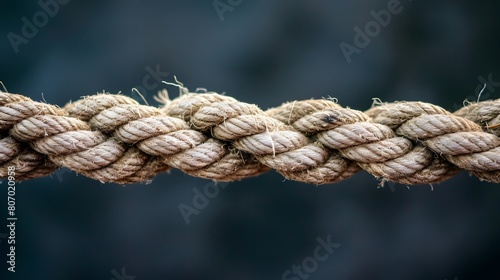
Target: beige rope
(113, 138)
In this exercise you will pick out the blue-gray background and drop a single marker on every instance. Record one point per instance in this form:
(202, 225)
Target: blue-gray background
(262, 52)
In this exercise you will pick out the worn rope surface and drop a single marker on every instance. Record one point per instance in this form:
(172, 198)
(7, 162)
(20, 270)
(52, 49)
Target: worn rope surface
(113, 138)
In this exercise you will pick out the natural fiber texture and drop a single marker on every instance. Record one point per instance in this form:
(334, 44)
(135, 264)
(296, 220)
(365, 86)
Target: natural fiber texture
(113, 138)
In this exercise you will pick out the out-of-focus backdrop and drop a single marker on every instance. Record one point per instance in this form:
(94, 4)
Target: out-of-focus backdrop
(262, 52)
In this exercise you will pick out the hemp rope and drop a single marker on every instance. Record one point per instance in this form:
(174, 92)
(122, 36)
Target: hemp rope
(113, 138)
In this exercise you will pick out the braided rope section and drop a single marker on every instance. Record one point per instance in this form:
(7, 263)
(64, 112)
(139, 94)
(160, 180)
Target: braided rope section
(113, 138)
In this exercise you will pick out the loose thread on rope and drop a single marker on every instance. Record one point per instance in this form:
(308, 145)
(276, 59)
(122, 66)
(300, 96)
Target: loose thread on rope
(113, 138)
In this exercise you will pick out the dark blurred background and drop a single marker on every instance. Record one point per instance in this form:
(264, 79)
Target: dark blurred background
(262, 52)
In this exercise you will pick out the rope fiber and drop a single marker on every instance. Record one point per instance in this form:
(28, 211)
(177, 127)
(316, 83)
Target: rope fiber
(113, 138)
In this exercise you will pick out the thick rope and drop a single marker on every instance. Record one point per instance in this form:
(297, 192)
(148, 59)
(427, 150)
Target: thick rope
(113, 138)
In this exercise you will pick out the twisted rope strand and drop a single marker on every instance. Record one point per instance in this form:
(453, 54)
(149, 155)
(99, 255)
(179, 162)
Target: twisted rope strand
(113, 138)
(168, 139)
(374, 147)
